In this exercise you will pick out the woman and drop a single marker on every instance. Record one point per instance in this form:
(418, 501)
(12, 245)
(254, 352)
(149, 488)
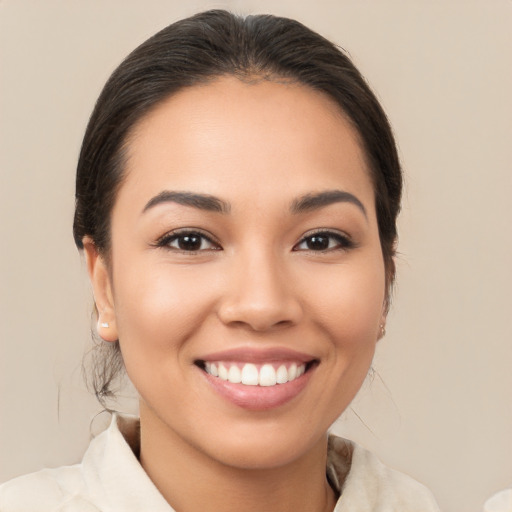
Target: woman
(236, 202)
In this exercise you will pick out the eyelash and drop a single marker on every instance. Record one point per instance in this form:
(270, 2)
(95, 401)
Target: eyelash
(175, 236)
(342, 242)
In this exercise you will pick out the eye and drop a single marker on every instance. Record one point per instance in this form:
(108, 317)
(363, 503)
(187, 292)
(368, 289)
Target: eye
(188, 241)
(322, 241)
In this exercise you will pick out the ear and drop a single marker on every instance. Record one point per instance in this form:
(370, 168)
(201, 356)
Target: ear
(382, 328)
(383, 318)
(102, 288)
(390, 278)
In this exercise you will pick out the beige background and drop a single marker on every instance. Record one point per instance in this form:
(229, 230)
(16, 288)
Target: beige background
(440, 408)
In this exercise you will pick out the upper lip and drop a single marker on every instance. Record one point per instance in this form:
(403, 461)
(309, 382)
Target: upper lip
(261, 355)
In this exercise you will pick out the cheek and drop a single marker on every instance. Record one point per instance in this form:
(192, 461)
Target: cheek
(347, 307)
(157, 310)
(349, 302)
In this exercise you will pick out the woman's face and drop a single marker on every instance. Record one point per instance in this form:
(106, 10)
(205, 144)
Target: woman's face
(244, 246)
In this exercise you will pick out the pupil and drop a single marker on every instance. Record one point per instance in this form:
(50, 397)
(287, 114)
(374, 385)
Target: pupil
(189, 242)
(318, 243)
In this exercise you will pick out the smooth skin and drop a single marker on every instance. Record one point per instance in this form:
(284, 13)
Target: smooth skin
(252, 276)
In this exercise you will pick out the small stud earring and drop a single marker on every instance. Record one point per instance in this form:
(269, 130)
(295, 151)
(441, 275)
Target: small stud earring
(104, 324)
(382, 330)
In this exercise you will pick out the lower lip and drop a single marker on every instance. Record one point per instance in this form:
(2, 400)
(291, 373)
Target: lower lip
(259, 398)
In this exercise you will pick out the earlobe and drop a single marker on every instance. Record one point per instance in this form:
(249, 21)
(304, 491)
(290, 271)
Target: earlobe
(383, 320)
(100, 278)
(382, 329)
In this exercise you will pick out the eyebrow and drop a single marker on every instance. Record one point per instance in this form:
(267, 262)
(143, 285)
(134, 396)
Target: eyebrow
(201, 201)
(311, 202)
(206, 202)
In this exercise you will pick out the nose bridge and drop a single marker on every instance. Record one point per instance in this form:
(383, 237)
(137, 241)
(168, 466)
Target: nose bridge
(260, 295)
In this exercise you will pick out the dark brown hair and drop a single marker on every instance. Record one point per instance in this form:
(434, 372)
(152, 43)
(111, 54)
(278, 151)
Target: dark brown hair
(197, 50)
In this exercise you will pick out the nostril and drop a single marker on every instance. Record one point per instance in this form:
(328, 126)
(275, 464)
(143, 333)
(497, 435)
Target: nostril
(283, 323)
(258, 321)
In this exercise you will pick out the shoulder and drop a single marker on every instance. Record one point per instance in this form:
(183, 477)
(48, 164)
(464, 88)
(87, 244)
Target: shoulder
(109, 477)
(48, 490)
(62, 489)
(369, 485)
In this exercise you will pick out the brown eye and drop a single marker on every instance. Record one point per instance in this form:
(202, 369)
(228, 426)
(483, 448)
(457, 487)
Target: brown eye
(324, 241)
(188, 241)
(317, 243)
(191, 242)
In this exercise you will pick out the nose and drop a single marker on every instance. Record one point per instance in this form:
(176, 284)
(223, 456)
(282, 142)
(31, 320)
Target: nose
(261, 295)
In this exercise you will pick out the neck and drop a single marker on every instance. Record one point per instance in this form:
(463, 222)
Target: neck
(191, 481)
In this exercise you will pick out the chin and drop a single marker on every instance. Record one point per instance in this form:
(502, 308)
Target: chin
(264, 454)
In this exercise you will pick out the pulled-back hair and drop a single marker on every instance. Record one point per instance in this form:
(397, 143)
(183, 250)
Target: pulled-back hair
(198, 50)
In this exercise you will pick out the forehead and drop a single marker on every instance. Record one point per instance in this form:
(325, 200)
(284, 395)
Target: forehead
(231, 137)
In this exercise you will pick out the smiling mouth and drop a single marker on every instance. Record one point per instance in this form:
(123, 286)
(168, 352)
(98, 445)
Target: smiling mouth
(250, 374)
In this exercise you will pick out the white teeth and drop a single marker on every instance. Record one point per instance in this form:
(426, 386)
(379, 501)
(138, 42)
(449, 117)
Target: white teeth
(282, 375)
(249, 375)
(292, 372)
(235, 375)
(223, 372)
(267, 375)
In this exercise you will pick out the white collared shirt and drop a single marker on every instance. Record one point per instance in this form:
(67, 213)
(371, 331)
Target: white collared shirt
(111, 479)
